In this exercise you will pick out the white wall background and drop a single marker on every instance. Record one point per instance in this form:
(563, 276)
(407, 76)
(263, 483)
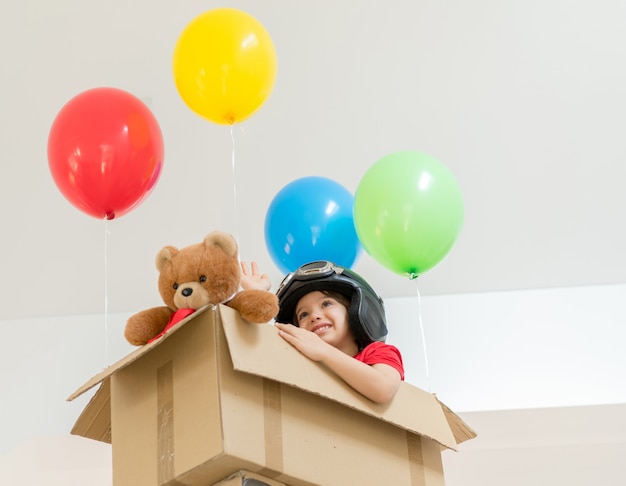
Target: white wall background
(539, 374)
(513, 350)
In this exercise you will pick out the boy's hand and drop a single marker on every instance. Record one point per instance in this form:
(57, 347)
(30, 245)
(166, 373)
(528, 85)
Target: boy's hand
(307, 342)
(252, 279)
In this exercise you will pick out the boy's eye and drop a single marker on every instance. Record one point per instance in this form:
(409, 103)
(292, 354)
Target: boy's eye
(326, 303)
(302, 315)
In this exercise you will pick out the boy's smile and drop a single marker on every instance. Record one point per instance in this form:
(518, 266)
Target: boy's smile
(320, 328)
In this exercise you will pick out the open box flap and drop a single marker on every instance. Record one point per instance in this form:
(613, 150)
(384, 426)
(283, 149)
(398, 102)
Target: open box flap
(259, 350)
(460, 429)
(94, 421)
(129, 358)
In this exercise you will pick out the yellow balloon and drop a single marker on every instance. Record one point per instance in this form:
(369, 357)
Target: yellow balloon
(224, 65)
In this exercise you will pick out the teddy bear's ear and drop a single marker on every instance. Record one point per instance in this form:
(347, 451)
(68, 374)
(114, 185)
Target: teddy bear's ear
(224, 240)
(164, 256)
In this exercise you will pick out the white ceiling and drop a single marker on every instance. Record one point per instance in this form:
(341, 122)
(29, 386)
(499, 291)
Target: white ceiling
(524, 102)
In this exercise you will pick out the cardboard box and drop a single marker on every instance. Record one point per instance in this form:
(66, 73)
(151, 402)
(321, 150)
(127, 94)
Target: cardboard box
(217, 394)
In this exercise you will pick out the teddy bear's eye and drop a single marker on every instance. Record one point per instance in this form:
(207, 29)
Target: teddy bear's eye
(175, 285)
(202, 278)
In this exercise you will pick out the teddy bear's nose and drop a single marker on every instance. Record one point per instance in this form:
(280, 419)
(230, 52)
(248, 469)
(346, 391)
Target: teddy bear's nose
(187, 291)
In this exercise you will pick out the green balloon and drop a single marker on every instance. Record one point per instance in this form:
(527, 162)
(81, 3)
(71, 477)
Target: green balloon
(408, 212)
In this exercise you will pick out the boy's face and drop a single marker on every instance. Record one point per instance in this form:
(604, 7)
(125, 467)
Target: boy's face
(328, 318)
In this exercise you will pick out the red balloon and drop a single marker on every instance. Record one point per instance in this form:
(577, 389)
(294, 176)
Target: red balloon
(105, 152)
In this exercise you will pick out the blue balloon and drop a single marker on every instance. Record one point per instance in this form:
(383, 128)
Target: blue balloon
(311, 219)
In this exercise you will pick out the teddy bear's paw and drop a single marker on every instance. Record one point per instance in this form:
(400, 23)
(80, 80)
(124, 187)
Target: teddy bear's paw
(255, 306)
(144, 325)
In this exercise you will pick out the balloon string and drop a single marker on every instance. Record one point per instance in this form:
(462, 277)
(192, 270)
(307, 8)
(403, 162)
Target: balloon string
(232, 137)
(419, 313)
(106, 289)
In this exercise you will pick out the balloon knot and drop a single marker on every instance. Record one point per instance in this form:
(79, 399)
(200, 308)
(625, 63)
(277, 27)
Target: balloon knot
(109, 215)
(230, 118)
(413, 276)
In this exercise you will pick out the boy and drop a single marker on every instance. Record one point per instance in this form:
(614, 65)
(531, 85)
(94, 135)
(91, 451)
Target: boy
(331, 315)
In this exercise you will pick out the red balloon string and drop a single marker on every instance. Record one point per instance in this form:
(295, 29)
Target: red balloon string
(106, 291)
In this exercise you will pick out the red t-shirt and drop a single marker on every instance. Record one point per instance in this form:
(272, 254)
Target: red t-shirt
(378, 352)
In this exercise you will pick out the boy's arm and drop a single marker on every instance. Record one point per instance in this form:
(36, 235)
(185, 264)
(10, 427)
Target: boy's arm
(378, 382)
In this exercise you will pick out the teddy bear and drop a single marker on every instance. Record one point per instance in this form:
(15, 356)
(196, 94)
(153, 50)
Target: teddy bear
(195, 276)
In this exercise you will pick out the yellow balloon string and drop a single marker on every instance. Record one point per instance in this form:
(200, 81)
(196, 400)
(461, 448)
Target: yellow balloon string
(421, 324)
(106, 290)
(232, 138)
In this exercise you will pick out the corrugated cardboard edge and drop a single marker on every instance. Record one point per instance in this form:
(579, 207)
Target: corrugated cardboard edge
(94, 421)
(461, 431)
